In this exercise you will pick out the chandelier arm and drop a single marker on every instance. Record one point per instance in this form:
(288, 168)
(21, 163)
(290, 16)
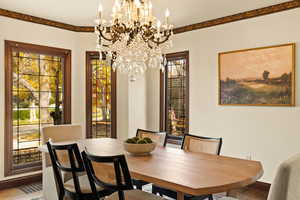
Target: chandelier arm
(104, 37)
(161, 42)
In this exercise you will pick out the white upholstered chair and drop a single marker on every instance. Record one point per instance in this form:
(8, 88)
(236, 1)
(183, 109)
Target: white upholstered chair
(59, 133)
(158, 137)
(286, 184)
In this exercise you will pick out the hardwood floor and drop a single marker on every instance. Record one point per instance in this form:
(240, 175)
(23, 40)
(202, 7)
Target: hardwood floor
(17, 194)
(247, 193)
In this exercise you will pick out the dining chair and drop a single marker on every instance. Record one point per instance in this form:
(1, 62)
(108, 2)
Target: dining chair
(57, 133)
(198, 144)
(122, 183)
(286, 184)
(159, 137)
(78, 187)
(156, 136)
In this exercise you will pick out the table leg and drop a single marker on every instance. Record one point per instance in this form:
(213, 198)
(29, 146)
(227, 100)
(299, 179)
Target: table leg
(180, 195)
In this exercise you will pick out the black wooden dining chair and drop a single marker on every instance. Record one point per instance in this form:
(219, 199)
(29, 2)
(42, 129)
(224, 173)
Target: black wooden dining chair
(122, 183)
(67, 159)
(198, 144)
(159, 137)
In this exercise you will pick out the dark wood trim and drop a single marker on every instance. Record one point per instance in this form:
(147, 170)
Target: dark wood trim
(16, 182)
(163, 90)
(162, 102)
(214, 22)
(89, 56)
(8, 109)
(240, 16)
(37, 20)
(9, 47)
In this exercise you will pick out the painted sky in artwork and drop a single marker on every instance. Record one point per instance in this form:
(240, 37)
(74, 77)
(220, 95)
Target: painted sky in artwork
(252, 63)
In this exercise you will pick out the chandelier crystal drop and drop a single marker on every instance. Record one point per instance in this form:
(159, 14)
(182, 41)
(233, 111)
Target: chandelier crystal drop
(133, 39)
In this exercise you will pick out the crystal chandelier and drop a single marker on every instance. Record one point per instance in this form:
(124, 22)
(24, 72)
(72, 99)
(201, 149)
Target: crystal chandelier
(133, 39)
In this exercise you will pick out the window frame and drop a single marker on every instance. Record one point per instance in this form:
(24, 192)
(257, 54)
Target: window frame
(9, 169)
(89, 85)
(164, 90)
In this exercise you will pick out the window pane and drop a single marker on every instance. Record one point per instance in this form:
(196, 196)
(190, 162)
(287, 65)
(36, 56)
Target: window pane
(50, 83)
(26, 83)
(101, 99)
(176, 91)
(37, 90)
(50, 67)
(50, 99)
(29, 66)
(45, 115)
(25, 99)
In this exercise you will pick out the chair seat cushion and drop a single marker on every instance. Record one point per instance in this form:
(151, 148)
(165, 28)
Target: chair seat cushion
(84, 183)
(135, 195)
(66, 176)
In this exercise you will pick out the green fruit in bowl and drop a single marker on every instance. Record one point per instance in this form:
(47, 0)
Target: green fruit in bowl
(136, 139)
(142, 141)
(131, 141)
(148, 140)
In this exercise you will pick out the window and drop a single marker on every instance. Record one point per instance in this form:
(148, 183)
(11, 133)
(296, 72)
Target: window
(100, 97)
(37, 83)
(174, 96)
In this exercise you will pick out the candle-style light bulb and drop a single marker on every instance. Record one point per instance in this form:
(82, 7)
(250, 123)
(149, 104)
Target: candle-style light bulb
(117, 5)
(137, 3)
(167, 14)
(150, 5)
(158, 26)
(150, 8)
(100, 10)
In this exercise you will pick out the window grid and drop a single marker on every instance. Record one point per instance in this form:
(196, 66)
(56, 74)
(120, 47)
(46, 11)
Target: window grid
(25, 151)
(101, 99)
(176, 119)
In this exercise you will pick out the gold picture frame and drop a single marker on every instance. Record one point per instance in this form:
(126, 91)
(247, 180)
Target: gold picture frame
(263, 76)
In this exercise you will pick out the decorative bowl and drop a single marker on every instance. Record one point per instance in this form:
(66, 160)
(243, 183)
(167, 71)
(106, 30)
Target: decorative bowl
(139, 149)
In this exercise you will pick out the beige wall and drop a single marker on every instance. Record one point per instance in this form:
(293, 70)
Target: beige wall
(268, 134)
(79, 43)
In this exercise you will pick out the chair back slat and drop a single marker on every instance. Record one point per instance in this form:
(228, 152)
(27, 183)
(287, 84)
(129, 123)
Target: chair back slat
(120, 168)
(158, 137)
(201, 144)
(73, 164)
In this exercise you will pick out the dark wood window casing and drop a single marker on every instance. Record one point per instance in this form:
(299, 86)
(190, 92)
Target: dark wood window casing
(174, 96)
(101, 100)
(36, 79)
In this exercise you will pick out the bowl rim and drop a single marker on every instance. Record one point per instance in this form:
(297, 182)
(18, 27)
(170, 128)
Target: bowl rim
(139, 144)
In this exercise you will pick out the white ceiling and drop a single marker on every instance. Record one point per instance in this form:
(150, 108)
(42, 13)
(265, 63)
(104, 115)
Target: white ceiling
(183, 12)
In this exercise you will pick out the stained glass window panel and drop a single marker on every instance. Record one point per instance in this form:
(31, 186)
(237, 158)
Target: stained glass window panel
(37, 79)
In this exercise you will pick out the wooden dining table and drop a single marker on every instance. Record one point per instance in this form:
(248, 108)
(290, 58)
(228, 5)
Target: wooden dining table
(179, 170)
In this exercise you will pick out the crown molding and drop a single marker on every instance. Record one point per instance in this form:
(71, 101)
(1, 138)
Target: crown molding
(223, 20)
(240, 16)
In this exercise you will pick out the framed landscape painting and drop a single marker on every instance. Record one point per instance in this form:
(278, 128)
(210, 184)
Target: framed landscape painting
(258, 77)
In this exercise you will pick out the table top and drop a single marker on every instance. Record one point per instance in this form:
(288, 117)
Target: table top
(187, 172)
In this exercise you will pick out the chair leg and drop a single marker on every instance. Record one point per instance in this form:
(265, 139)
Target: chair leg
(138, 186)
(210, 197)
(61, 196)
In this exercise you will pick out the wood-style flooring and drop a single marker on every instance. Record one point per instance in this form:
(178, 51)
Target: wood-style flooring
(247, 193)
(17, 194)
